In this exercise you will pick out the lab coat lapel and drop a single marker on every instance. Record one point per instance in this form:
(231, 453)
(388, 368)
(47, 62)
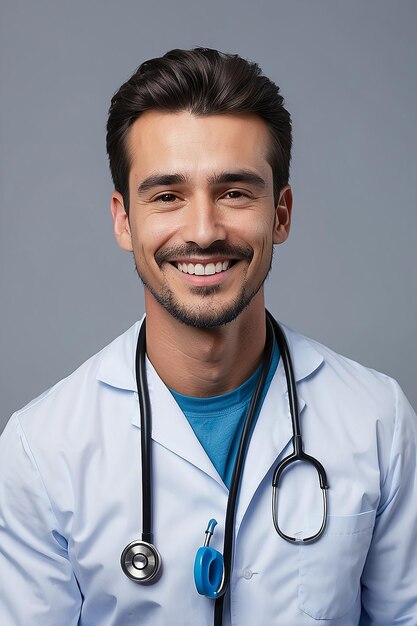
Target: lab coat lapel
(170, 428)
(272, 436)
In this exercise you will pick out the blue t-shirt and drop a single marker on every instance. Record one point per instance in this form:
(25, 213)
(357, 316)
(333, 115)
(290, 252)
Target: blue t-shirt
(218, 421)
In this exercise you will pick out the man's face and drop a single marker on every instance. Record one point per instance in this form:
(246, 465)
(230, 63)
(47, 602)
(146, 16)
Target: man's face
(202, 221)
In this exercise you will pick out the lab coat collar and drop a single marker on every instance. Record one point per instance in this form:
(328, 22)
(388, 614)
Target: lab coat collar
(305, 358)
(172, 430)
(117, 365)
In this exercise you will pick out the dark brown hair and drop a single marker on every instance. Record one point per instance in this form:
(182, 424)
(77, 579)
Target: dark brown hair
(203, 82)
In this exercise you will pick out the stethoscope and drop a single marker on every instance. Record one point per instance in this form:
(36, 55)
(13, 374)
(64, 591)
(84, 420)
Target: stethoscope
(140, 560)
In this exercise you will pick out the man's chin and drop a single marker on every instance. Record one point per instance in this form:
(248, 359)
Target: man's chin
(206, 314)
(203, 321)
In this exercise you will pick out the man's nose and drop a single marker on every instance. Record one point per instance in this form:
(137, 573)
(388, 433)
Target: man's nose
(204, 223)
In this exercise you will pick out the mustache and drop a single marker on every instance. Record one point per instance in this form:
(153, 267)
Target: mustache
(176, 253)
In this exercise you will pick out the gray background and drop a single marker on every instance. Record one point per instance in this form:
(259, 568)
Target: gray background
(347, 276)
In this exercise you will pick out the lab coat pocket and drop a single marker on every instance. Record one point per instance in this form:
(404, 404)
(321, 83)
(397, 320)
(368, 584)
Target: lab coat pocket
(331, 568)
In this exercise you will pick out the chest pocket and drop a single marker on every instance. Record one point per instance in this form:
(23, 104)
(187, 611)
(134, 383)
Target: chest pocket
(330, 569)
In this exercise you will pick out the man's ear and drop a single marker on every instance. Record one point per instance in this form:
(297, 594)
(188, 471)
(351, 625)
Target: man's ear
(283, 215)
(121, 226)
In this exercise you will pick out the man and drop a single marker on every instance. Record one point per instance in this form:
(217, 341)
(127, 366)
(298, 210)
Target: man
(199, 147)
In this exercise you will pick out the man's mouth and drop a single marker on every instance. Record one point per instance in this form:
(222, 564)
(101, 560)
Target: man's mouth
(203, 269)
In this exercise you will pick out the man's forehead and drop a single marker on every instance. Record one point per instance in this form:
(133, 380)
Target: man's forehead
(181, 141)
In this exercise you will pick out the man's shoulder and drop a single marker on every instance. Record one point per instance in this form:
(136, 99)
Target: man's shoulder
(112, 366)
(340, 371)
(343, 391)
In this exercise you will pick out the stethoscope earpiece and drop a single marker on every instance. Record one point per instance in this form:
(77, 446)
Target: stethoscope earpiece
(208, 566)
(140, 561)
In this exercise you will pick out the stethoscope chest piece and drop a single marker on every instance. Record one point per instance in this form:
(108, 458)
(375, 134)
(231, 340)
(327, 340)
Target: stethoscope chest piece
(140, 561)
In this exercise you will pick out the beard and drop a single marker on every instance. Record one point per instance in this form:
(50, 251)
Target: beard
(208, 313)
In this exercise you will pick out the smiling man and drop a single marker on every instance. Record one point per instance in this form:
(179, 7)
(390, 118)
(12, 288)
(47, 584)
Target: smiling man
(112, 480)
(202, 222)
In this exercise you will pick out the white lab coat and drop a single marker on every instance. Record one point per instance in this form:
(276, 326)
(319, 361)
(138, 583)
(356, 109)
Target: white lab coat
(70, 500)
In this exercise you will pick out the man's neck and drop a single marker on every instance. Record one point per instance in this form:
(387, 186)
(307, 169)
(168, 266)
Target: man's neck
(205, 362)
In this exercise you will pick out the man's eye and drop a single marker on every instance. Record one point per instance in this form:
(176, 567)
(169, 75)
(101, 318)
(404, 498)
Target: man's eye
(234, 194)
(166, 197)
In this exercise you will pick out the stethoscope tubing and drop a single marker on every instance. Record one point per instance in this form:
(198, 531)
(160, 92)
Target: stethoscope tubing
(298, 454)
(146, 427)
(140, 573)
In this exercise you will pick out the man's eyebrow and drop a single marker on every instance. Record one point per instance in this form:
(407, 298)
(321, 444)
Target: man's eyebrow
(166, 180)
(161, 180)
(239, 176)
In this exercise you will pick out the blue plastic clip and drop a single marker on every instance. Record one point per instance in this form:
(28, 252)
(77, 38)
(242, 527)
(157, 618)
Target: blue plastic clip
(208, 566)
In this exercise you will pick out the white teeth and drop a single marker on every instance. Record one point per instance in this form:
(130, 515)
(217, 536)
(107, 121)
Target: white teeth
(203, 270)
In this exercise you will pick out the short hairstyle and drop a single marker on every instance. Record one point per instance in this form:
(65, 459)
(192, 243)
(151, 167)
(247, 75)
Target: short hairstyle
(203, 82)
